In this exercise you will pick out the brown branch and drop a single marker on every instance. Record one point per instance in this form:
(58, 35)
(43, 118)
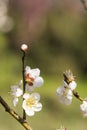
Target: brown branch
(84, 4)
(77, 96)
(23, 122)
(23, 74)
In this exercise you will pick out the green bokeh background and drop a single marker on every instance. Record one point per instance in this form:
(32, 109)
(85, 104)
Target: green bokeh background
(57, 43)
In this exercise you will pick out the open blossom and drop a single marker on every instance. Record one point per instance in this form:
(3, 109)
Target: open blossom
(64, 95)
(83, 107)
(65, 92)
(31, 103)
(33, 78)
(16, 92)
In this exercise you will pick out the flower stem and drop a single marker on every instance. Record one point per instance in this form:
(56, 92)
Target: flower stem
(23, 122)
(23, 71)
(77, 95)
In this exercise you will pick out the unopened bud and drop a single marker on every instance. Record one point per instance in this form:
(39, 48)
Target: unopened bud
(24, 47)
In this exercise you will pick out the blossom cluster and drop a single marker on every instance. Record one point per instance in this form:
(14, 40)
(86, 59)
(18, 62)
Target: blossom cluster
(31, 101)
(32, 79)
(67, 90)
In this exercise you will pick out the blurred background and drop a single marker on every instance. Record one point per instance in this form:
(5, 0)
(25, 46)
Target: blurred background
(56, 32)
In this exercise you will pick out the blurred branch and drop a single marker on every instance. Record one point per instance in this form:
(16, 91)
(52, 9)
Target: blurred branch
(77, 96)
(84, 4)
(23, 122)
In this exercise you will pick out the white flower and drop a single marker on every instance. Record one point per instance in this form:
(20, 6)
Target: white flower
(31, 103)
(64, 95)
(72, 85)
(33, 78)
(83, 107)
(16, 92)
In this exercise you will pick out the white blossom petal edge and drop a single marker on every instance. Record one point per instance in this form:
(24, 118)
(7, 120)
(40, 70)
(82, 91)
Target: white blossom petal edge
(33, 78)
(83, 107)
(16, 92)
(64, 95)
(72, 85)
(31, 103)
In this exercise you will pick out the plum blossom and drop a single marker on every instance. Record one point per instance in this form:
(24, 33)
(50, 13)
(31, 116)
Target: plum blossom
(33, 78)
(31, 103)
(65, 92)
(64, 95)
(83, 107)
(16, 92)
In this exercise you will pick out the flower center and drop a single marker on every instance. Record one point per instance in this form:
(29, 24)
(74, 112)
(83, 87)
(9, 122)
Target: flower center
(65, 92)
(30, 102)
(29, 79)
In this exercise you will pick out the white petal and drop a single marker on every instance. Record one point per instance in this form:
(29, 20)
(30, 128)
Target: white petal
(68, 101)
(38, 81)
(36, 96)
(37, 107)
(64, 95)
(24, 104)
(19, 92)
(65, 100)
(30, 112)
(27, 69)
(26, 95)
(15, 101)
(35, 72)
(60, 90)
(83, 107)
(72, 85)
(69, 92)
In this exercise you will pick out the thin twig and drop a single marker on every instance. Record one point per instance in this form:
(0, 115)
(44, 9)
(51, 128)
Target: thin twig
(77, 96)
(23, 71)
(23, 122)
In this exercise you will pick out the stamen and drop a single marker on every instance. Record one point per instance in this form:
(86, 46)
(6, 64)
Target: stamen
(30, 102)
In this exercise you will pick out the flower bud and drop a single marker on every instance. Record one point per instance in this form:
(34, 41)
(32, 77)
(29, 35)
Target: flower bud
(24, 47)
